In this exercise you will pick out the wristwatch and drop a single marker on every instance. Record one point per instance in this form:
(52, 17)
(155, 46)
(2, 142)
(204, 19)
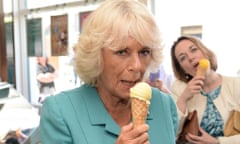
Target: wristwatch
(217, 142)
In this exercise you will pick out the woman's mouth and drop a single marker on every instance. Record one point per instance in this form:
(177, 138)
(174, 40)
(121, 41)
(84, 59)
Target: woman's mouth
(128, 83)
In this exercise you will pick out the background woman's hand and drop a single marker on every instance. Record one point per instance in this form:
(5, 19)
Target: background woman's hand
(130, 135)
(205, 138)
(193, 87)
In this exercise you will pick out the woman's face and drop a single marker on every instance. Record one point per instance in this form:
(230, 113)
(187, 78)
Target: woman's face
(188, 56)
(123, 69)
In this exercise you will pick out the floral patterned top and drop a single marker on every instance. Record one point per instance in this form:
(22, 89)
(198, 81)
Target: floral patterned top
(212, 121)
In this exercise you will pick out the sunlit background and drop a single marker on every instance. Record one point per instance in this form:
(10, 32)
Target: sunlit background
(214, 21)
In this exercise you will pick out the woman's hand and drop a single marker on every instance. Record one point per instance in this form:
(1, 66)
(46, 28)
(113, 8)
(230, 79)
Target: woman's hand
(130, 135)
(205, 138)
(193, 87)
(159, 84)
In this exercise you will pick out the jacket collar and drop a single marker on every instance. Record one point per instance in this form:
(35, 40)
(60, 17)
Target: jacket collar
(97, 112)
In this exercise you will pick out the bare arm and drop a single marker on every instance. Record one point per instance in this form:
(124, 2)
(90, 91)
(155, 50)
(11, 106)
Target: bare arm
(46, 77)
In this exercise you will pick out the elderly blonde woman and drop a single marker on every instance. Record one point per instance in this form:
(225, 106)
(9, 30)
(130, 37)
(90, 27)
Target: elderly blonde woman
(119, 45)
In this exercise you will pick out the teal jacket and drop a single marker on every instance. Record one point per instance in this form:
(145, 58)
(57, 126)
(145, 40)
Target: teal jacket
(78, 116)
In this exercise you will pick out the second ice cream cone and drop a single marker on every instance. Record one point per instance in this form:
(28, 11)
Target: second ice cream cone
(203, 67)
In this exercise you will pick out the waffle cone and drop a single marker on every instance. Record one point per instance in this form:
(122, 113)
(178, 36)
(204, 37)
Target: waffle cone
(139, 111)
(201, 72)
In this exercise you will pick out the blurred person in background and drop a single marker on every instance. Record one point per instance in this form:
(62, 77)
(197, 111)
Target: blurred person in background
(45, 78)
(161, 80)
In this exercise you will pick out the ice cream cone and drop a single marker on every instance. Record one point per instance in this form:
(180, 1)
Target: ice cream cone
(140, 100)
(203, 67)
(139, 111)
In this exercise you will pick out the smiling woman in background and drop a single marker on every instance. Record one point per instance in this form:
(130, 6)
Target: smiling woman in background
(119, 45)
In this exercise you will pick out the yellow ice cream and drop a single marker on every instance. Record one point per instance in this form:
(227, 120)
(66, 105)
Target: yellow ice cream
(140, 95)
(203, 67)
(141, 91)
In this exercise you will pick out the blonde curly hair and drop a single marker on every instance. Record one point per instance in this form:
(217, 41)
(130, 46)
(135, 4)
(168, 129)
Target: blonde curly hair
(109, 26)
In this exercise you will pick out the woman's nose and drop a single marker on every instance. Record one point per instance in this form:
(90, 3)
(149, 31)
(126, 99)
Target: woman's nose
(135, 63)
(190, 57)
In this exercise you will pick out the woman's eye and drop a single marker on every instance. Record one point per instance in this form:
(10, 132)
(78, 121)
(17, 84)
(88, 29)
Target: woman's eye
(194, 49)
(121, 52)
(182, 58)
(145, 52)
